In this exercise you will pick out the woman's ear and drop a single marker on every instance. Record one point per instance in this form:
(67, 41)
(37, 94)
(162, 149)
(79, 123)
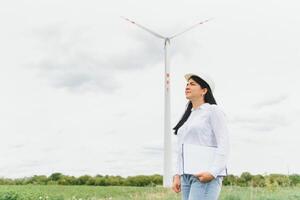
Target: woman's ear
(205, 91)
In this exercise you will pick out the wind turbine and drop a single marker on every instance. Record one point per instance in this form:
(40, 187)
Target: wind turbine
(167, 178)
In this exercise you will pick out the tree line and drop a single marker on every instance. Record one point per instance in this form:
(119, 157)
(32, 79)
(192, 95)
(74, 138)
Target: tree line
(246, 179)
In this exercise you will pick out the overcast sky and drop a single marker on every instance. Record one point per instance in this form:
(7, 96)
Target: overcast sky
(82, 90)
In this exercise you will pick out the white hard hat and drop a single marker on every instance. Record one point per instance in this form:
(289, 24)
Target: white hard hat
(203, 76)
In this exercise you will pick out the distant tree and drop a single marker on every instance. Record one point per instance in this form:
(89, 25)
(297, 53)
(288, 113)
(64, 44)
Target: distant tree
(157, 179)
(39, 180)
(140, 180)
(6, 181)
(101, 181)
(279, 179)
(294, 179)
(230, 180)
(244, 179)
(258, 181)
(82, 180)
(55, 176)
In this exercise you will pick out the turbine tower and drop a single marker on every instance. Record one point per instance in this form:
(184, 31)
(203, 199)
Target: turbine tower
(167, 177)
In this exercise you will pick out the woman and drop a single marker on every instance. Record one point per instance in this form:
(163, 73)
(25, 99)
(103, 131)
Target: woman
(203, 123)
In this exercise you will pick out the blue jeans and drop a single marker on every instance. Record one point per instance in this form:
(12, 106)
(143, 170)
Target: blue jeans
(193, 189)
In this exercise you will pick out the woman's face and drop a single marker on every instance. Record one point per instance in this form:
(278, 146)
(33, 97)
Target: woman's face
(193, 90)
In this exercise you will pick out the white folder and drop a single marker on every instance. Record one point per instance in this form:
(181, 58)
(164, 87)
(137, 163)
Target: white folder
(198, 158)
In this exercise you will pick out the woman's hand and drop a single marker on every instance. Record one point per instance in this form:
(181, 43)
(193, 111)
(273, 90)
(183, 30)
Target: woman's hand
(205, 176)
(176, 184)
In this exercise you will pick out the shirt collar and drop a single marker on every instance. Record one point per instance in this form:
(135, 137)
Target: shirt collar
(204, 105)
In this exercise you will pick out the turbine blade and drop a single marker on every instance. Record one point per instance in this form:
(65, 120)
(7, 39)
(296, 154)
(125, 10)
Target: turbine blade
(177, 34)
(146, 29)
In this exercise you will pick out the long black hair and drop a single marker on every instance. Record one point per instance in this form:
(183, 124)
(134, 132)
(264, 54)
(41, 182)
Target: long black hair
(208, 98)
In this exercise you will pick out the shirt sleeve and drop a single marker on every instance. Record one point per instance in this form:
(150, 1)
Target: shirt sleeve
(178, 161)
(220, 129)
(179, 149)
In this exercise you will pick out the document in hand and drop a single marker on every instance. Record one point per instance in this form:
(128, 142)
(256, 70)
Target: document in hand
(198, 158)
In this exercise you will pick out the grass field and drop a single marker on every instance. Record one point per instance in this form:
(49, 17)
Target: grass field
(57, 192)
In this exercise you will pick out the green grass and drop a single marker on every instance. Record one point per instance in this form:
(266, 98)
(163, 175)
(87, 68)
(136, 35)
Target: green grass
(58, 192)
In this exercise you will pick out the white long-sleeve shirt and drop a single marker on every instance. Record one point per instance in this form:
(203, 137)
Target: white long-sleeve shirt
(205, 126)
